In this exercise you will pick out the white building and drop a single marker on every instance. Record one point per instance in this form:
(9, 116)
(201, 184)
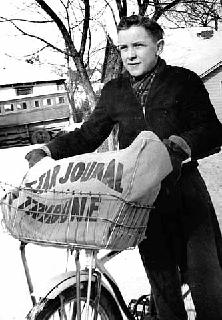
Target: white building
(33, 105)
(200, 50)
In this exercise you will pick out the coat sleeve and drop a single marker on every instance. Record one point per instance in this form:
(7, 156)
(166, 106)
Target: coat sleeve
(89, 136)
(203, 130)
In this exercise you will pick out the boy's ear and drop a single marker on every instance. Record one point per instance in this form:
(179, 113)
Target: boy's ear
(160, 44)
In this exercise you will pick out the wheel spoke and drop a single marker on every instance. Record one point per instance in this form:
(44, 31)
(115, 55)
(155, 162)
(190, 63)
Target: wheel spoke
(63, 306)
(67, 311)
(62, 310)
(74, 310)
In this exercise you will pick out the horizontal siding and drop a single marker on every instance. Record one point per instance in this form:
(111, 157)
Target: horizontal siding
(35, 115)
(213, 84)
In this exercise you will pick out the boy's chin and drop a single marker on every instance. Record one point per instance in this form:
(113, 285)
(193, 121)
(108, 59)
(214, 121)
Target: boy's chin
(137, 74)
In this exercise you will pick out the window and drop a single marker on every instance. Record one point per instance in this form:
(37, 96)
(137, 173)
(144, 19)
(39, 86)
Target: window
(22, 106)
(9, 107)
(60, 100)
(37, 104)
(49, 102)
(60, 87)
(24, 90)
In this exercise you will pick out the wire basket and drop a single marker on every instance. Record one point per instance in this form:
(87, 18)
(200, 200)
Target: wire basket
(83, 220)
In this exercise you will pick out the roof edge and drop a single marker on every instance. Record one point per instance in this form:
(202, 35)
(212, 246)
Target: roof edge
(30, 83)
(205, 73)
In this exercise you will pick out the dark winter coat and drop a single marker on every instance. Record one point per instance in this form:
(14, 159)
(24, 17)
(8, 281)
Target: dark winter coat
(178, 104)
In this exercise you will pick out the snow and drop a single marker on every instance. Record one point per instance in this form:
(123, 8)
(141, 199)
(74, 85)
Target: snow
(211, 170)
(184, 48)
(15, 71)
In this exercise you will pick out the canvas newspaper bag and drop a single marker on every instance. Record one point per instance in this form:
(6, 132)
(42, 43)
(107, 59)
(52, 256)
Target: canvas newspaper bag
(78, 200)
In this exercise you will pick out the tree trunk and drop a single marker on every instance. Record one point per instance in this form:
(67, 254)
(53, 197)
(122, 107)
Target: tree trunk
(71, 50)
(112, 65)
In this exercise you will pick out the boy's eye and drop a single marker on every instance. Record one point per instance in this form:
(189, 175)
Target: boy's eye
(122, 47)
(134, 45)
(137, 45)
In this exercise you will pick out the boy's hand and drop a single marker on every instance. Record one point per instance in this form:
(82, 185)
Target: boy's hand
(177, 156)
(35, 156)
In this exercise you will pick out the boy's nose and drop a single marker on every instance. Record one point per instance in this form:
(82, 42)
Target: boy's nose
(131, 53)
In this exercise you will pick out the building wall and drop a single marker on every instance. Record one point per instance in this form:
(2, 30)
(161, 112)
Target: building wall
(213, 84)
(9, 93)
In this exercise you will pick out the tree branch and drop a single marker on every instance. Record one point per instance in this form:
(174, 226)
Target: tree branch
(85, 28)
(171, 5)
(38, 38)
(37, 51)
(160, 9)
(143, 6)
(122, 8)
(72, 51)
(61, 27)
(25, 20)
(112, 11)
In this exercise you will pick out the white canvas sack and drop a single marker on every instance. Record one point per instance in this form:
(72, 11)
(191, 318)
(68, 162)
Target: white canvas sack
(60, 202)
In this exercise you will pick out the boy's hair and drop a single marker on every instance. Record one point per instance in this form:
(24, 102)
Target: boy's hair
(142, 21)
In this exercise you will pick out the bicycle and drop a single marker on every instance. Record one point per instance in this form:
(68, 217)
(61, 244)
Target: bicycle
(90, 292)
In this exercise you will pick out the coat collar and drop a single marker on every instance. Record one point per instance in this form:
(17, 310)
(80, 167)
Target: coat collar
(156, 84)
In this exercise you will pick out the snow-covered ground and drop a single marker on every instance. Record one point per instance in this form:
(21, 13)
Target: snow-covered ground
(46, 262)
(211, 170)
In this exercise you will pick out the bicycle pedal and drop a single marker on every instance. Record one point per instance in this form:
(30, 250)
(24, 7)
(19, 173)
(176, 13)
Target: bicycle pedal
(140, 308)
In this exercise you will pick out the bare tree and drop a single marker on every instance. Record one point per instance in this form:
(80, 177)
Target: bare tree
(77, 56)
(80, 59)
(196, 13)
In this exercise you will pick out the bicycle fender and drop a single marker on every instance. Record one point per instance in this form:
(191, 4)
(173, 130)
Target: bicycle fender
(64, 280)
(61, 282)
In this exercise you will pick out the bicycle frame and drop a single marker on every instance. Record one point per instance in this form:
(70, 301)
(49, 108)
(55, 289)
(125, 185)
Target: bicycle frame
(95, 271)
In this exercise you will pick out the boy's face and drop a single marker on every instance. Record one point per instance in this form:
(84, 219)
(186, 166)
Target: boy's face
(139, 51)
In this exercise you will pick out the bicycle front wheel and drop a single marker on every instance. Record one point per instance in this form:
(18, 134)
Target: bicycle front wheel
(62, 307)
